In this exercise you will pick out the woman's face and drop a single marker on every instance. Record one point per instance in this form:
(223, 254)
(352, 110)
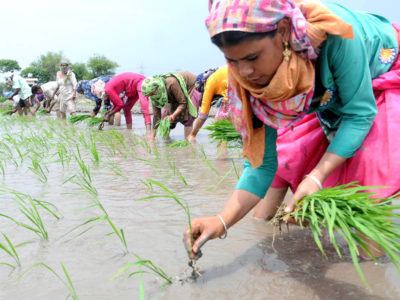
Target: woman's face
(258, 60)
(255, 60)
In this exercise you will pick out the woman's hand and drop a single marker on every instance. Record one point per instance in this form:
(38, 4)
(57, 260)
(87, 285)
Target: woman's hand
(307, 187)
(204, 229)
(170, 118)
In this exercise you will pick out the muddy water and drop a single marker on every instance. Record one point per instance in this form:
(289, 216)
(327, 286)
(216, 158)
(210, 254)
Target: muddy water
(244, 266)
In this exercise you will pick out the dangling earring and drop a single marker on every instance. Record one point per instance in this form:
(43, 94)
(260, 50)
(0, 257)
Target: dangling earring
(286, 53)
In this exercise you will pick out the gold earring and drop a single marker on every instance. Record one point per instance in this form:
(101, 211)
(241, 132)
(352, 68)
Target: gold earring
(286, 53)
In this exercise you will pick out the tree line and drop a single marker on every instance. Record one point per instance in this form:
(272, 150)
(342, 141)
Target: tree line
(45, 67)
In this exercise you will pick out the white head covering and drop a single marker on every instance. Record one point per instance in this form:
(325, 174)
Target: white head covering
(7, 75)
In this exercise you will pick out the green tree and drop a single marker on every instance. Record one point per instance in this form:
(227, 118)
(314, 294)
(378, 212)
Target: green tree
(9, 65)
(81, 72)
(47, 66)
(32, 70)
(101, 65)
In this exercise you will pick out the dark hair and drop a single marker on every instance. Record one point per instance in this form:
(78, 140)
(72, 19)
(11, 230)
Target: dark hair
(35, 89)
(232, 38)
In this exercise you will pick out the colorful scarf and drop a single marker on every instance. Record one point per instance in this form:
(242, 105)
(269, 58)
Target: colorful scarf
(287, 97)
(201, 79)
(160, 98)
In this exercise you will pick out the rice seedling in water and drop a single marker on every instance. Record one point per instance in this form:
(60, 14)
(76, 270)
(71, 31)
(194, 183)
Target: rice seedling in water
(10, 250)
(221, 180)
(93, 149)
(349, 210)
(29, 208)
(38, 170)
(223, 131)
(67, 283)
(183, 204)
(164, 127)
(78, 118)
(179, 144)
(3, 99)
(236, 170)
(149, 267)
(207, 161)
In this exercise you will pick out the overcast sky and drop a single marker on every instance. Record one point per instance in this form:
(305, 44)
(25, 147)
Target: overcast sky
(152, 37)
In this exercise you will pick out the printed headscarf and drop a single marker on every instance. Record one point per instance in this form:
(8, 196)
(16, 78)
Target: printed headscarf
(201, 79)
(288, 96)
(160, 98)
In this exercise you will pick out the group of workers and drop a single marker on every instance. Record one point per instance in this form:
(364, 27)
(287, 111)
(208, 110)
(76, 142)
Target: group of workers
(177, 96)
(314, 90)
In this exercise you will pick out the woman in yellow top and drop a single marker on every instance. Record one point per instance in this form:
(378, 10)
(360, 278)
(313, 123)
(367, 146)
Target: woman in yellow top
(215, 86)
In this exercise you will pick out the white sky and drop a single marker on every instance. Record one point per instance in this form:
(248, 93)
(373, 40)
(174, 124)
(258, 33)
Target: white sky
(160, 35)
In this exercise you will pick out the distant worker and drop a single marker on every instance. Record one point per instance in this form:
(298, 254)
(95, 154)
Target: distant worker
(66, 82)
(214, 87)
(45, 93)
(176, 95)
(21, 88)
(129, 86)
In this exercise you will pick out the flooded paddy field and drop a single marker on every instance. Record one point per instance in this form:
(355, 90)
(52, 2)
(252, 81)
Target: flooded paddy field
(71, 207)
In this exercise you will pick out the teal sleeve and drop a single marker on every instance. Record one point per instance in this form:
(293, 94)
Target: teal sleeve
(258, 180)
(348, 62)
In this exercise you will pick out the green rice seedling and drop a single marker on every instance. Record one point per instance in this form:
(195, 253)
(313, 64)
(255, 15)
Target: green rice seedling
(3, 99)
(149, 267)
(208, 163)
(7, 112)
(236, 170)
(164, 127)
(66, 282)
(42, 112)
(223, 131)
(78, 118)
(349, 210)
(38, 170)
(179, 144)
(94, 121)
(63, 154)
(182, 203)
(148, 185)
(29, 208)
(10, 250)
(221, 180)
(93, 149)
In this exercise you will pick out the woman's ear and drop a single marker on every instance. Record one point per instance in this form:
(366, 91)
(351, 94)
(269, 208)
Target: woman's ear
(283, 30)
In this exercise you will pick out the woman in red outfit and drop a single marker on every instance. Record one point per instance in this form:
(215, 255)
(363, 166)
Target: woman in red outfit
(129, 84)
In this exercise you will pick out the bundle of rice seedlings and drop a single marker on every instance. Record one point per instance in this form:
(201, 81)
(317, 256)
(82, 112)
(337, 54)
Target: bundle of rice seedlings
(3, 99)
(42, 112)
(223, 131)
(7, 112)
(179, 144)
(78, 118)
(94, 121)
(351, 212)
(164, 127)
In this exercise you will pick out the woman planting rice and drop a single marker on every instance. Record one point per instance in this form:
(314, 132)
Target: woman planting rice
(215, 86)
(92, 90)
(130, 85)
(291, 58)
(46, 92)
(176, 93)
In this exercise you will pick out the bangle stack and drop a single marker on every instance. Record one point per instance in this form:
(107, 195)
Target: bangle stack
(225, 227)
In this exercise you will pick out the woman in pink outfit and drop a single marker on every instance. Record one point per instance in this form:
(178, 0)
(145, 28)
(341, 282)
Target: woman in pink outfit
(130, 85)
